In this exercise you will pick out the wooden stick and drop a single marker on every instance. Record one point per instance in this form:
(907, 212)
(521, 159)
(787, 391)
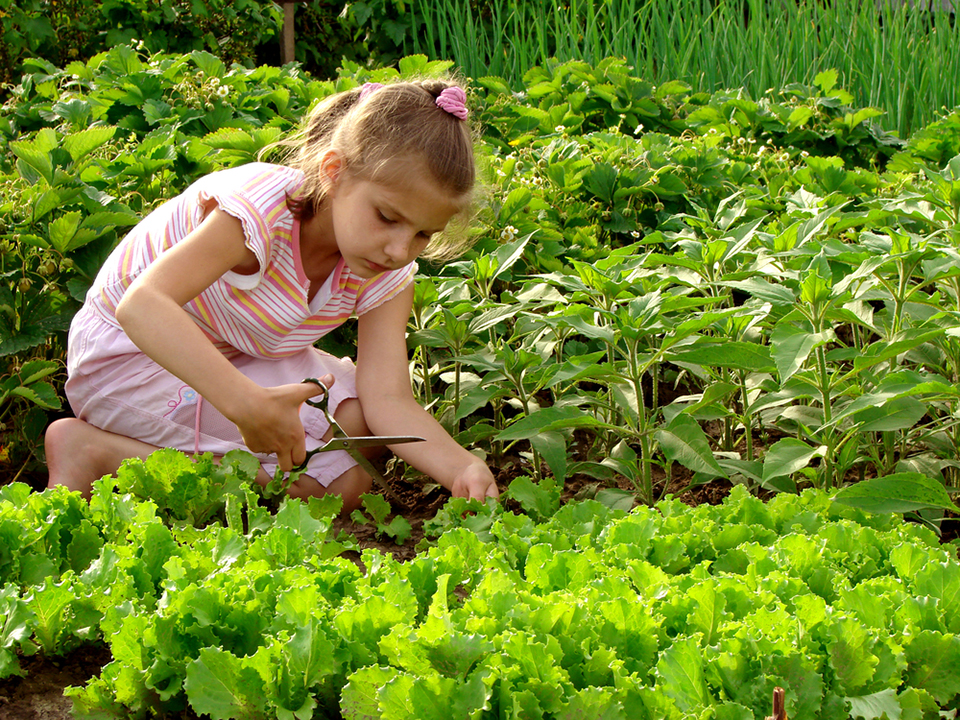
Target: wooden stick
(287, 50)
(779, 705)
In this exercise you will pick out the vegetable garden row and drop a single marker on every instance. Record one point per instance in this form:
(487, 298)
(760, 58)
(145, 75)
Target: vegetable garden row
(668, 288)
(586, 612)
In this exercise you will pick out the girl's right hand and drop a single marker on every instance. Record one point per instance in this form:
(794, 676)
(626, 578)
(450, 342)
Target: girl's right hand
(272, 422)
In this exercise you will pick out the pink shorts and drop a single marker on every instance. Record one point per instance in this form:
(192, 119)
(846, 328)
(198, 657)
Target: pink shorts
(112, 385)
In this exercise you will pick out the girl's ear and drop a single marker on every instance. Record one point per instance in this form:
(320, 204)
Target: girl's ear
(331, 168)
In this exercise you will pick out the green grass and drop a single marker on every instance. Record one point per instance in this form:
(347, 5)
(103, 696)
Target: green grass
(905, 62)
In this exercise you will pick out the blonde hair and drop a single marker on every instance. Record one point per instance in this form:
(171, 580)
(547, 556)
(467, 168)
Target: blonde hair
(380, 138)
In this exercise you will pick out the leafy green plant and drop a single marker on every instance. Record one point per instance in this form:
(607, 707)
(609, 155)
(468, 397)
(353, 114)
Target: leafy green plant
(185, 490)
(375, 510)
(257, 615)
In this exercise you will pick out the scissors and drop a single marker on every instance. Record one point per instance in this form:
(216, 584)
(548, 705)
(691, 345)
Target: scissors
(342, 441)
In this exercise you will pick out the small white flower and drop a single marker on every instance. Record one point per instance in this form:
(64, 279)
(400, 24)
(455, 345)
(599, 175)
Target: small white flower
(712, 131)
(638, 129)
(635, 233)
(613, 130)
(214, 81)
(508, 233)
(804, 153)
(223, 91)
(559, 129)
(741, 141)
(761, 151)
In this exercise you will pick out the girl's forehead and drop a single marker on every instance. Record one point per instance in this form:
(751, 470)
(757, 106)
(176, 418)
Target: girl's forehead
(417, 189)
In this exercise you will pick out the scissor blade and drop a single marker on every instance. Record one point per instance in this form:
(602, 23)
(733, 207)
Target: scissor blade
(370, 441)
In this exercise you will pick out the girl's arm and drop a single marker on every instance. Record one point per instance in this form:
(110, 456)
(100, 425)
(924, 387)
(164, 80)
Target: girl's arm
(389, 408)
(151, 313)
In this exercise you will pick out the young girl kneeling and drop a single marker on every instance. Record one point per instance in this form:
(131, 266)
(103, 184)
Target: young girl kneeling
(200, 327)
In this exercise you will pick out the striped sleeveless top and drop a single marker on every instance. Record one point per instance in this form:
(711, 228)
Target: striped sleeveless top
(263, 315)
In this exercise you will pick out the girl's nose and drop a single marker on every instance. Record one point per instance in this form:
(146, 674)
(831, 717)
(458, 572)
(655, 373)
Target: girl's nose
(398, 247)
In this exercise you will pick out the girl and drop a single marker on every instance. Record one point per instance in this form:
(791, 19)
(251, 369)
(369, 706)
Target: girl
(200, 326)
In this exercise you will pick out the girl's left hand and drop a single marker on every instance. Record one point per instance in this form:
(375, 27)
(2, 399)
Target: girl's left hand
(475, 482)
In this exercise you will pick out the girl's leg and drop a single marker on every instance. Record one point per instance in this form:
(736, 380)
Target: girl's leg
(78, 454)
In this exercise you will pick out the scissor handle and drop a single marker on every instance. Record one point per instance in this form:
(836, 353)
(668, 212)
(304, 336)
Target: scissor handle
(322, 403)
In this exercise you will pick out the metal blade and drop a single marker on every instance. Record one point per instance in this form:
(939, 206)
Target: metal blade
(346, 443)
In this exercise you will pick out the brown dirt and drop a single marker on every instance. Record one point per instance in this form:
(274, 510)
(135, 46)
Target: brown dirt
(38, 694)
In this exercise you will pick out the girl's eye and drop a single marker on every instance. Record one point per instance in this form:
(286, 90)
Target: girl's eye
(384, 218)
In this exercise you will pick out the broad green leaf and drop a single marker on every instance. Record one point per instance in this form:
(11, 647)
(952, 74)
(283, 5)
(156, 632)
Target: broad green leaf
(595, 703)
(34, 370)
(541, 500)
(221, 686)
(882, 704)
(552, 447)
(791, 347)
(15, 628)
(41, 394)
(786, 457)
(549, 419)
(933, 664)
(680, 676)
(309, 656)
(898, 493)
(747, 356)
(850, 656)
(708, 610)
(509, 253)
(684, 441)
(36, 153)
(433, 697)
(776, 295)
(81, 144)
(827, 81)
(941, 580)
(881, 351)
(62, 230)
(516, 200)
(49, 603)
(898, 414)
(799, 117)
(360, 697)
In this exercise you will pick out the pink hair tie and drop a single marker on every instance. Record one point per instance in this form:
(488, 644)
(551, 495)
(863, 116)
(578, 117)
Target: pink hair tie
(454, 100)
(368, 89)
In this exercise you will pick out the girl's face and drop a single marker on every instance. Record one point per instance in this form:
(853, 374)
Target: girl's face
(381, 226)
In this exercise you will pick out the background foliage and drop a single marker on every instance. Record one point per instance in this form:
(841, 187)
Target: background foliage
(631, 231)
(900, 57)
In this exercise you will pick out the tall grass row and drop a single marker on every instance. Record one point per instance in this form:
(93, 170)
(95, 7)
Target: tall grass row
(891, 54)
